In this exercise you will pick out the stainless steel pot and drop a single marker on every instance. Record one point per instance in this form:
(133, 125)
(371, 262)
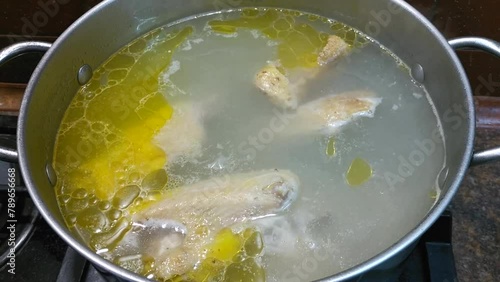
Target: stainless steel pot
(112, 24)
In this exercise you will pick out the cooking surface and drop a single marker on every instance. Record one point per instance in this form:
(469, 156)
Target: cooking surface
(476, 218)
(476, 209)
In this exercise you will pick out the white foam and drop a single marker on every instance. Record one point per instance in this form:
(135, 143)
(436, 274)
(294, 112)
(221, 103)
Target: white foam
(272, 43)
(166, 84)
(227, 35)
(418, 95)
(174, 67)
(255, 33)
(188, 45)
(183, 135)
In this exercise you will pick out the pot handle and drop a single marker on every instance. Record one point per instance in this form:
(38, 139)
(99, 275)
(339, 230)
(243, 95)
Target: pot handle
(492, 47)
(8, 151)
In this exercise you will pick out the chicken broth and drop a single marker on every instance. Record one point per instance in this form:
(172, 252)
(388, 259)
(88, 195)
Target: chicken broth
(261, 144)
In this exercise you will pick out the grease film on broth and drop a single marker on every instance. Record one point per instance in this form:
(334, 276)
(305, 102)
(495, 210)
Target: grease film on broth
(241, 144)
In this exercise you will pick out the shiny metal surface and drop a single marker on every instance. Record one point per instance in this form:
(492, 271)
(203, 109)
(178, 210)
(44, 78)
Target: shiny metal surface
(485, 157)
(476, 43)
(492, 47)
(8, 150)
(417, 72)
(21, 48)
(394, 24)
(84, 74)
(51, 174)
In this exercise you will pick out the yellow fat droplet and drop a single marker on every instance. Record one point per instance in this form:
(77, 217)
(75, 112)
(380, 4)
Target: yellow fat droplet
(299, 44)
(156, 180)
(231, 256)
(125, 196)
(110, 238)
(254, 244)
(92, 219)
(245, 271)
(226, 246)
(108, 137)
(330, 147)
(359, 172)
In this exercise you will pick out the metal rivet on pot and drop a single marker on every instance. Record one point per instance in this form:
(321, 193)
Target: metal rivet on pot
(51, 174)
(84, 74)
(417, 72)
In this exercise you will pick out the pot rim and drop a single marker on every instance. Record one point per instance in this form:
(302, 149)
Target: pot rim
(103, 264)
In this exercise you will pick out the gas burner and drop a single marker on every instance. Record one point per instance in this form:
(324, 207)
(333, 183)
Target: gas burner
(8, 125)
(24, 220)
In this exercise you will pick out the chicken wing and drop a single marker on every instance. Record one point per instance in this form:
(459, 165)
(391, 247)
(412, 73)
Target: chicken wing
(285, 90)
(335, 48)
(328, 114)
(276, 86)
(181, 226)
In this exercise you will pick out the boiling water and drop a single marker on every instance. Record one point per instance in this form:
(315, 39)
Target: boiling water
(332, 225)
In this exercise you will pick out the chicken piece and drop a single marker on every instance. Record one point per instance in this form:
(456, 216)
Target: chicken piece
(328, 114)
(276, 86)
(183, 135)
(285, 91)
(282, 90)
(177, 230)
(335, 48)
